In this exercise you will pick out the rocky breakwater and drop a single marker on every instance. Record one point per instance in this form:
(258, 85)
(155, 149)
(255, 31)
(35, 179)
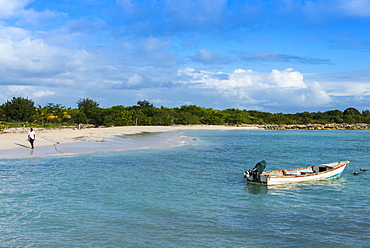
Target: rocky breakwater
(342, 126)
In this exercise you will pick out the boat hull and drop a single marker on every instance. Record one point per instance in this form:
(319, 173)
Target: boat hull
(304, 174)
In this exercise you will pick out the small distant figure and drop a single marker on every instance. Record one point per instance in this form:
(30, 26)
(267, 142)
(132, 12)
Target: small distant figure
(31, 137)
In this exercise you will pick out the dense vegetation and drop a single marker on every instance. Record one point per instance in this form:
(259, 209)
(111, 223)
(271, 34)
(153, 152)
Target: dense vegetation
(23, 111)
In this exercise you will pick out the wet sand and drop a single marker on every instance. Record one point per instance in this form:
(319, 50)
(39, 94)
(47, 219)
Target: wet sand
(53, 142)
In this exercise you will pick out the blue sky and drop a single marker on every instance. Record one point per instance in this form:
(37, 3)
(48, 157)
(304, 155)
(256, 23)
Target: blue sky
(277, 56)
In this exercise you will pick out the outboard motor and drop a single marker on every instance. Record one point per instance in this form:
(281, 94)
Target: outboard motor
(258, 169)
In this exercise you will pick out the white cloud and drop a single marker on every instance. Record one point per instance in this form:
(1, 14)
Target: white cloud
(127, 5)
(13, 33)
(19, 90)
(287, 78)
(134, 80)
(24, 54)
(281, 88)
(359, 8)
(27, 91)
(317, 95)
(10, 8)
(24, 60)
(208, 57)
(205, 56)
(33, 17)
(333, 8)
(350, 83)
(42, 93)
(17, 9)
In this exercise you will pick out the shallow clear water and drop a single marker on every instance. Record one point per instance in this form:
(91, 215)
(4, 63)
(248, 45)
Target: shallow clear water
(190, 196)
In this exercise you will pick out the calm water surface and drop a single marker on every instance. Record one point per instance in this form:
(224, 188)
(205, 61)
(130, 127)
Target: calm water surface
(190, 196)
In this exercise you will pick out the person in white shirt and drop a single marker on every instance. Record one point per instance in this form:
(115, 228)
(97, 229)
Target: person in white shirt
(31, 137)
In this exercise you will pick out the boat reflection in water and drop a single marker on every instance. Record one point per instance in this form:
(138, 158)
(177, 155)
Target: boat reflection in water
(289, 188)
(269, 189)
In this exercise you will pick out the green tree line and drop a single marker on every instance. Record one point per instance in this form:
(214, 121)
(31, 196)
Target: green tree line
(23, 111)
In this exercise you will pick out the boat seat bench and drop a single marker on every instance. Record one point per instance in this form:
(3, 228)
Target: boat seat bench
(298, 172)
(321, 167)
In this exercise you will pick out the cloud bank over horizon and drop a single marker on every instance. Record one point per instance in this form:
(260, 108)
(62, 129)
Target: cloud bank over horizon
(276, 56)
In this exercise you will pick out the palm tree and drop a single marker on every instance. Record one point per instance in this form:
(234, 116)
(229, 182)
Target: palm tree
(42, 113)
(61, 114)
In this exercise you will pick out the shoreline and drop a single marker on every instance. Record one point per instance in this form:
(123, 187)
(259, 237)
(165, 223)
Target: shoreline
(49, 142)
(14, 143)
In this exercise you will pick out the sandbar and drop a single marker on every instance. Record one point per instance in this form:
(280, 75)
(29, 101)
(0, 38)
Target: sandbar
(64, 141)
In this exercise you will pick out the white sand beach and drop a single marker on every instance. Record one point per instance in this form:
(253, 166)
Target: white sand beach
(14, 143)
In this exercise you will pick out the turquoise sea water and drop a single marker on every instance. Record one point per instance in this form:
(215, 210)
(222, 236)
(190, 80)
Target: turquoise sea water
(190, 196)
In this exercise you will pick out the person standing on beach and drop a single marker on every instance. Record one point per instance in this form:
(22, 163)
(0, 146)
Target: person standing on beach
(31, 137)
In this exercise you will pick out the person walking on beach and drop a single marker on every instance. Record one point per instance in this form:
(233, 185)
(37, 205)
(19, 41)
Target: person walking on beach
(31, 137)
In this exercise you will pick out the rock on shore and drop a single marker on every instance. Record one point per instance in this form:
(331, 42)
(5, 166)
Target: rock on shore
(343, 126)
